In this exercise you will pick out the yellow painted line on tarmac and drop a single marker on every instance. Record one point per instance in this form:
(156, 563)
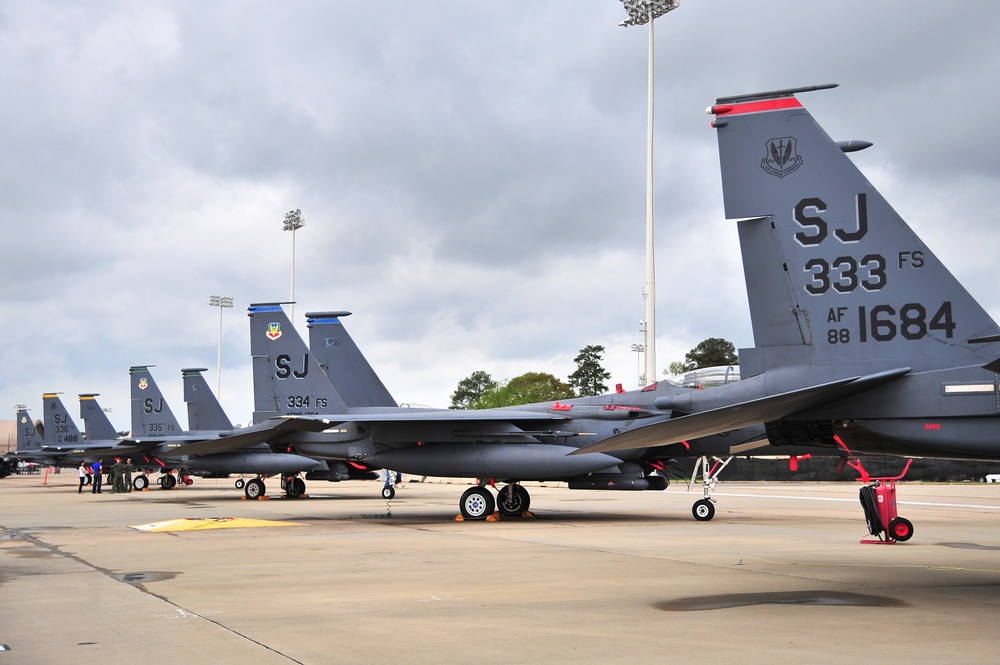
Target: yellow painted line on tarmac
(200, 523)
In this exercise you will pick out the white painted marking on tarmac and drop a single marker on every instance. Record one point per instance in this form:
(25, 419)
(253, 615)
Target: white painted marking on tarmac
(830, 498)
(184, 614)
(434, 599)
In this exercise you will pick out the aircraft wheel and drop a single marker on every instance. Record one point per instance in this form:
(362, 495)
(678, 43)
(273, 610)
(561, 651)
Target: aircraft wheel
(140, 483)
(703, 510)
(90, 479)
(514, 502)
(300, 485)
(167, 481)
(240, 483)
(255, 488)
(477, 503)
(159, 481)
(901, 529)
(388, 492)
(292, 488)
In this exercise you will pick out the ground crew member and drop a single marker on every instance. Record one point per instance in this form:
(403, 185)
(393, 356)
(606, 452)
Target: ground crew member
(118, 478)
(97, 470)
(83, 477)
(129, 470)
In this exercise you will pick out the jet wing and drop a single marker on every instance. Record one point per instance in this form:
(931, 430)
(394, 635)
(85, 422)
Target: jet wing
(396, 415)
(276, 427)
(245, 437)
(743, 414)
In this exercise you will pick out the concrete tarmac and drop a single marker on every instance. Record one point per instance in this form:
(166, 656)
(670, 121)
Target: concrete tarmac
(779, 576)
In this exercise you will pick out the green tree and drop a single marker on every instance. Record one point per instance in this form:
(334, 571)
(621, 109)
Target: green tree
(676, 367)
(589, 377)
(525, 389)
(471, 389)
(711, 352)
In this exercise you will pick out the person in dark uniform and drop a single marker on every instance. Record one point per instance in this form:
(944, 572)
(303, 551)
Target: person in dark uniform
(118, 477)
(129, 470)
(98, 477)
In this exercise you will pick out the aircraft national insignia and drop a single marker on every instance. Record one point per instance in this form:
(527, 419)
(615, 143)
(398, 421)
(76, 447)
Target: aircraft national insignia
(780, 157)
(143, 384)
(273, 331)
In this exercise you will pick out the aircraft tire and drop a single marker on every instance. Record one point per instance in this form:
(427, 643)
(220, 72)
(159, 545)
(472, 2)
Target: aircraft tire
(901, 529)
(300, 486)
(140, 483)
(388, 492)
(240, 483)
(703, 510)
(477, 503)
(514, 502)
(167, 481)
(292, 489)
(254, 489)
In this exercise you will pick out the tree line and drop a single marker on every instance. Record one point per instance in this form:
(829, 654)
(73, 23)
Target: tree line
(480, 390)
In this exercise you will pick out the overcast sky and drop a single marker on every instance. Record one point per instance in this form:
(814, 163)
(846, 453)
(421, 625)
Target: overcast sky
(472, 175)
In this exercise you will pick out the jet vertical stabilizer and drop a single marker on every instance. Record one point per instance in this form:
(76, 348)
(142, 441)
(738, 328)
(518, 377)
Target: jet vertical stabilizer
(60, 429)
(204, 410)
(151, 416)
(96, 425)
(348, 370)
(299, 385)
(835, 278)
(28, 438)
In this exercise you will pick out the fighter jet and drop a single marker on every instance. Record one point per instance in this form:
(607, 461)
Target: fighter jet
(157, 431)
(862, 337)
(510, 445)
(60, 443)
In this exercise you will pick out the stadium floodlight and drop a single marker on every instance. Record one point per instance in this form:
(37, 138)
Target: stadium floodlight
(293, 222)
(222, 302)
(639, 349)
(641, 12)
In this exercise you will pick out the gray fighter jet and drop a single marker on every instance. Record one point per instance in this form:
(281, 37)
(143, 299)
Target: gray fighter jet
(861, 336)
(509, 445)
(61, 443)
(156, 430)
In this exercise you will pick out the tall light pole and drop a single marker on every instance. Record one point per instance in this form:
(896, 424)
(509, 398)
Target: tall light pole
(293, 222)
(639, 348)
(222, 302)
(641, 12)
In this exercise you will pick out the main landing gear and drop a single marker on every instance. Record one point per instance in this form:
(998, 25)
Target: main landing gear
(477, 503)
(704, 509)
(294, 486)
